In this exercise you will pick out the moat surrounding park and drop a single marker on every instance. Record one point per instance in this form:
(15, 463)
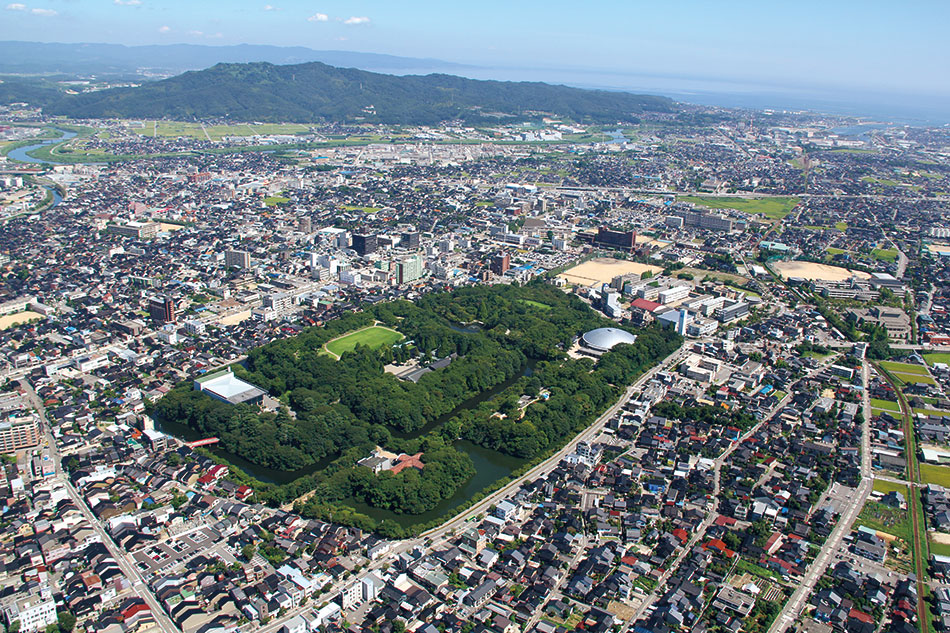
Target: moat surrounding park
(397, 433)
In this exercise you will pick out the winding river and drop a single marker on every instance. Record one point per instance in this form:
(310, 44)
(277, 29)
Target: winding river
(22, 154)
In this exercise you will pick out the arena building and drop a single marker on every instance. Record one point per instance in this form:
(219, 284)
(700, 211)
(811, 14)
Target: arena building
(605, 338)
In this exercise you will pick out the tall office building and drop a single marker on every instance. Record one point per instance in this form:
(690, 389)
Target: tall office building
(161, 309)
(304, 224)
(623, 240)
(364, 243)
(409, 269)
(409, 240)
(237, 259)
(500, 263)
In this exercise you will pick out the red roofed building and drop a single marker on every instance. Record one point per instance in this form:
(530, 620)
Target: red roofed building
(405, 461)
(681, 534)
(135, 609)
(646, 305)
(860, 616)
(774, 542)
(724, 521)
(719, 546)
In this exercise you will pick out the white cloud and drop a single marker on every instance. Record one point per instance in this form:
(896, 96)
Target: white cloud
(270, 7)
(164, 29)
(44, 12)
(16, 6)
(356, 20)
(128, 3)
(216, 36)
(318, 17)
(195, 33)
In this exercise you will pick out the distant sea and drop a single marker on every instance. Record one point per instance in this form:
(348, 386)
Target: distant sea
(895, 108)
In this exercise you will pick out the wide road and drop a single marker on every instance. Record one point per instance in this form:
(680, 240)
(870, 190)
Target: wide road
(793, 607)
(128, 568)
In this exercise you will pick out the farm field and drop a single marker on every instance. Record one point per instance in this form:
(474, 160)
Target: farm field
(885, 487)
(373, 336)
(937, 357)
(174, 129)
(887, 405)
(773, 208)
(934, 474)
(908, 373)
(933, 412)
(882, 518)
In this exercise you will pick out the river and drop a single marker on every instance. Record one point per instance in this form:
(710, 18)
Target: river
(22, 154)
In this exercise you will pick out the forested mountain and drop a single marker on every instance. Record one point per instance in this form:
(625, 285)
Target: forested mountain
(315, 92)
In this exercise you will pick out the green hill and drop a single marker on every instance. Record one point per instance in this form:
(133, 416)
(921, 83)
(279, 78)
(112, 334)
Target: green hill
(314, 92)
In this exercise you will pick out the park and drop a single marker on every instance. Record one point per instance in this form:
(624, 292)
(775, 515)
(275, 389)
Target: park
(338, 405)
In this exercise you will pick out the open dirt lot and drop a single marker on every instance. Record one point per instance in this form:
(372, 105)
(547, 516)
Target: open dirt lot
(602, 270)
(9, 320)
(810, 270)
(234, 319)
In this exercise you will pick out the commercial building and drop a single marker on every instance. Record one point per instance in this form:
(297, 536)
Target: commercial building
(138, 230)
(19, 433)
(622, 240)
(364, 243)
(409, 270)
(409, 240)
(500, 263)
(278, 302)
(237, 259)
(161, 309)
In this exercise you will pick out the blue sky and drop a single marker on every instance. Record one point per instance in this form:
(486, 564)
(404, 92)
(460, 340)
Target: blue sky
(899, 48)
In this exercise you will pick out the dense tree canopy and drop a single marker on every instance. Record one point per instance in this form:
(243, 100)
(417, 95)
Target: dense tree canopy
(339, 409)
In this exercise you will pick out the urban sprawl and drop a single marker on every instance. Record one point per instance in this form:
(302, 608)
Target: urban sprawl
(785, 468)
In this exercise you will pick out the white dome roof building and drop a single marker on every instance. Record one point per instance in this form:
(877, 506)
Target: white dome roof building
(605, 338)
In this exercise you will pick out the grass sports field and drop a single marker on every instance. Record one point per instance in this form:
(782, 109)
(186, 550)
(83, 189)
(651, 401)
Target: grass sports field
(773, 208)
(373, 336)
(885, 254)
(536, 304)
